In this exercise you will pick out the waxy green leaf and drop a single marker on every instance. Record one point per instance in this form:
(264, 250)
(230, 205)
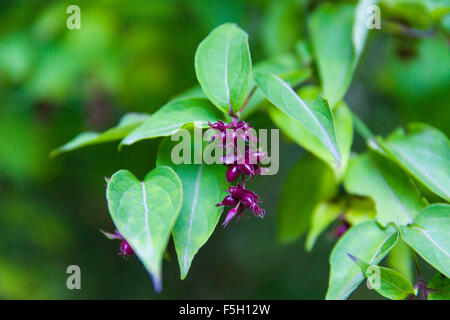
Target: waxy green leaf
(396, 197)
(312, 182)
(129, 122)
(338, 35)
(439, 288)
(315, 117)
(297, 132)
(172, 116)
(223, 66)
(203, 187)
(145, 212)
(400, 258)
(366, 240)
(428, 236)
(389, 283)
(330, 27)
(360, 29)
(425, 153)
(286, 66)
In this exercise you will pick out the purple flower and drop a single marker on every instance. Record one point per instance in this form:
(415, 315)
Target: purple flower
(125, 248)
(244, 163)
(240, 199)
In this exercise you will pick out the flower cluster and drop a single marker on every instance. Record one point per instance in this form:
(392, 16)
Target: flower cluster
(241, 163)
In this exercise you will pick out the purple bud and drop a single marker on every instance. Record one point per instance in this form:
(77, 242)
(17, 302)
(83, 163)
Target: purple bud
(231, 214)
(248, 200)
(246, 169)
(125, 249)
(232, 173)
(236, 191)
(229, 201)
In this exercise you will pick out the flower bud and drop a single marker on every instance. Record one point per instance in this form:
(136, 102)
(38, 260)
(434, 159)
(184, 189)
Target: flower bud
(231, 214)
(232, 173)
(125, 249)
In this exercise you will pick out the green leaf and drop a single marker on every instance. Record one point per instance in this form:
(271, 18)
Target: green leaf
(323, 215)
(129, 122)
(439, 288)
(281, 27)
(285, 65)
(223, 67)
(359, 209)
(338, 55)
(309, 183)
(360, 29)
(389, 283)
(171, 117)
(365, 240)
(145, 213)
(315, 117)
(428, 236)
(401, 259)
(425, 153)
(396, 197)
(203, 187)
(333, 53)
(297, 132)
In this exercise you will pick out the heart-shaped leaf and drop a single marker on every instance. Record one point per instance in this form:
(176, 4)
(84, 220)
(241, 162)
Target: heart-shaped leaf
(428, 236)
(203, 187)
(315, 117)
(145, 213)
(396, 197)
(223, 66)
(365, 240)
(389, 283)
(425, 153)
(172, 116)
(128, 123)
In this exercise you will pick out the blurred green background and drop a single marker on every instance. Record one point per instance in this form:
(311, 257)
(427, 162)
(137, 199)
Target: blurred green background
(134, 56)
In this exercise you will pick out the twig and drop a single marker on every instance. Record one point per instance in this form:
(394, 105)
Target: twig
(246, 101)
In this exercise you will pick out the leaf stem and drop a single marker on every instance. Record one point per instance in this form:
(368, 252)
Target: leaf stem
(246, 101)
(362, 128)
(365, 132)
(417, 266)
(400, 29)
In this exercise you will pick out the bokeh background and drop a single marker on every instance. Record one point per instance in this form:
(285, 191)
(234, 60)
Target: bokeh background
(135, 56)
